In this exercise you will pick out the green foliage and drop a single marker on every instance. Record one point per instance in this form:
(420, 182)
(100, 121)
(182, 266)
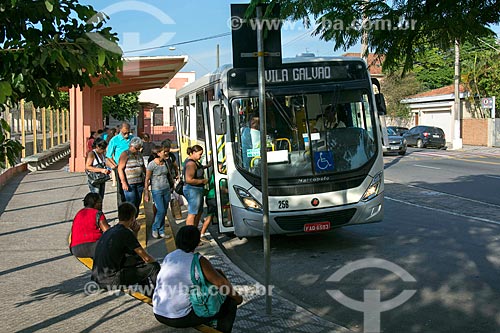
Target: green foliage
(395, 88)
(9, 148)
(47, 45)
(398, 29)
(122, 106)
(481, 73)
(63, 100)
(434, 68)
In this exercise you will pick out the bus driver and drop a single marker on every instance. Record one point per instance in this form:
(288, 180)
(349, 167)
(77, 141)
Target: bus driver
(328, 120)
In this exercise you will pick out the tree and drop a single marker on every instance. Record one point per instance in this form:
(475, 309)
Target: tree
(433, 68)
(9, 149)
(399, 29)
(46, 45)
(121, 106)
(481, 74)
(396, 88)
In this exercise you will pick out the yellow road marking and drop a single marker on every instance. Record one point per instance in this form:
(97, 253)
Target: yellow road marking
(481, 162)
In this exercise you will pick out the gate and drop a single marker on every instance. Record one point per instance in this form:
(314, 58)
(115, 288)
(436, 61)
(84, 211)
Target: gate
(496, 133)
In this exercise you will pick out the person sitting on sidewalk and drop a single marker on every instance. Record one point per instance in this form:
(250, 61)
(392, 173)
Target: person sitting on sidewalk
(120, 260)
(171, 304)
(88, 225)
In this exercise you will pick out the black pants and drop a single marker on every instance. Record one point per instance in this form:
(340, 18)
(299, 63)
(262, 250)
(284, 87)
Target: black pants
(142, 274)
(120, 196)
(85, 250)
(135, 271)
(225, 318)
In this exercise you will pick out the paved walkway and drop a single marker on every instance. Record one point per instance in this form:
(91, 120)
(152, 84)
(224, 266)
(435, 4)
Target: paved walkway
(42, 285)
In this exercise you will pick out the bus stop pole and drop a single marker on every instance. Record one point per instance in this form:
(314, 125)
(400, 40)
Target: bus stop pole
(263, 159)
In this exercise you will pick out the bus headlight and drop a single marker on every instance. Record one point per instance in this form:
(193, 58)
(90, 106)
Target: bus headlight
(374, 188)
(248, 201)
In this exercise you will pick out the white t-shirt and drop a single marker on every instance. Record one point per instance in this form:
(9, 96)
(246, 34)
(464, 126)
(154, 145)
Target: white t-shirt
(255, 134)
(171, 296)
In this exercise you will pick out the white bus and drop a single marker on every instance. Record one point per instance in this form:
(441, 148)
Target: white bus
(320, 177)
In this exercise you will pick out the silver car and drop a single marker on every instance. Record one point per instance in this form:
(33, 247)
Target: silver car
(396, 143)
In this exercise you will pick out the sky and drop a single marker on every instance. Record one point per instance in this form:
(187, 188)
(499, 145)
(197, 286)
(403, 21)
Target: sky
(151, 23)
(143, 24)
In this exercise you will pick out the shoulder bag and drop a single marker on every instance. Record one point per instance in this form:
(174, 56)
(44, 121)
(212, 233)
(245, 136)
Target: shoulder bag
(98, 216)
(97, 178)
(204, 296)
(179, 188)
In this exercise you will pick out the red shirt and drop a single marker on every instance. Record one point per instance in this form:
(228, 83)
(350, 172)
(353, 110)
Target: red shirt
(84, 228)
(90, 143)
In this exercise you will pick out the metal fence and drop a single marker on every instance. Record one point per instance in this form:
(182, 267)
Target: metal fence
(37, 128)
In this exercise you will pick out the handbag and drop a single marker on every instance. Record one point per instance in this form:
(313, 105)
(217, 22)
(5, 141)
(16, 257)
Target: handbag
(175, 208)
(97, 178)
(170, 174)
(179, 188)
(204, 296)
(98, 216)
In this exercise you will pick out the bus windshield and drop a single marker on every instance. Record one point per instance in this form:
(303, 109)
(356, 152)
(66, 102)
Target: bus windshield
(307, 134)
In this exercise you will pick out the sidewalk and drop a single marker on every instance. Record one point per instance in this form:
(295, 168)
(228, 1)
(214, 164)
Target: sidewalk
(43, 285)
(480, 150)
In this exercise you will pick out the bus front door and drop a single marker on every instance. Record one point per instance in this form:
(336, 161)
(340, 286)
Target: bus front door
(219, 126)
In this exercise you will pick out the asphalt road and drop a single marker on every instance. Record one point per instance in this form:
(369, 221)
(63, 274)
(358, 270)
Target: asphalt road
(441, 226)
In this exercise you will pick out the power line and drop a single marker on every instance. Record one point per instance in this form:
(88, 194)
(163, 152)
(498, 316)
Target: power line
(488, 44)
(181, 43)
(196, 61)
(299, 37)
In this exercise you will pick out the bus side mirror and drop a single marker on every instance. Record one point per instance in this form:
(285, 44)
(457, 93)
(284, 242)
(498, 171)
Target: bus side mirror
(380, 101)
(379, 98)
(220, 119)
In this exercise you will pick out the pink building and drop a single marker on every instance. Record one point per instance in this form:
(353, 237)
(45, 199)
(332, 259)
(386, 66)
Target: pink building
(139, 73)
(157, 117)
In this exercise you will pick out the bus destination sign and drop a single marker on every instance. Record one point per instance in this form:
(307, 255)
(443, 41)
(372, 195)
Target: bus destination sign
(294, 74)
(298, 74)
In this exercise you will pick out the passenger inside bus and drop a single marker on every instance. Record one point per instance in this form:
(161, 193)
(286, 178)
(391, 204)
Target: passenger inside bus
(294, 139)
(328, 120)
(250, 139)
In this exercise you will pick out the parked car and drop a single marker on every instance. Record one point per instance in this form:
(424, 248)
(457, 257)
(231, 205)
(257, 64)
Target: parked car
(399, 130)
(425, 136)
(396, 143)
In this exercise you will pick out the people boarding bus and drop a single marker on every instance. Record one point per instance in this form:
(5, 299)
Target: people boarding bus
(320, 177)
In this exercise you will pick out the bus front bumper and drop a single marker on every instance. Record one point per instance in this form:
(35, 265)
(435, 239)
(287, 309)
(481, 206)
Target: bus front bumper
(251, 223)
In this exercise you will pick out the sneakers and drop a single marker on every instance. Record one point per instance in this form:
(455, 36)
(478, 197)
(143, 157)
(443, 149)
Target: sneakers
(206, 234)
(165, 236)
(155, 234)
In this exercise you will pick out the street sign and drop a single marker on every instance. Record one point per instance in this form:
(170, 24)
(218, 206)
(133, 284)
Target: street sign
(244, 38)
(487, 102)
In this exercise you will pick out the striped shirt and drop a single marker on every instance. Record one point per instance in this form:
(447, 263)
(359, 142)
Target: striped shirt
(134, 169)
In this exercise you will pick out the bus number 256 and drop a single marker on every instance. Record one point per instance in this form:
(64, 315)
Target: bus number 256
(283, 204)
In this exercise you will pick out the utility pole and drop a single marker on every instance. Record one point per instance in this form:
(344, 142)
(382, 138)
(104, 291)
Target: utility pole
(364, 37)
(455, 113)
(263, 159)
(217, 64)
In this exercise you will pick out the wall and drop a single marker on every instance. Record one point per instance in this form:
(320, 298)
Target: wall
(475, 132)
(164, 98)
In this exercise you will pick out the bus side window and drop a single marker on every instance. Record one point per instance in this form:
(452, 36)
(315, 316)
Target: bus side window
(224, 200)
(220, 120)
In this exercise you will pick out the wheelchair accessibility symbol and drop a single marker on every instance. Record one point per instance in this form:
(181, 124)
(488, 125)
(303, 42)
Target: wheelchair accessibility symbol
(323, 160)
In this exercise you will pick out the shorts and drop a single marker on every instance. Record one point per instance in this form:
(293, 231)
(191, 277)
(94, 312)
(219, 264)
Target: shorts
(211, 206)
(194, 197)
